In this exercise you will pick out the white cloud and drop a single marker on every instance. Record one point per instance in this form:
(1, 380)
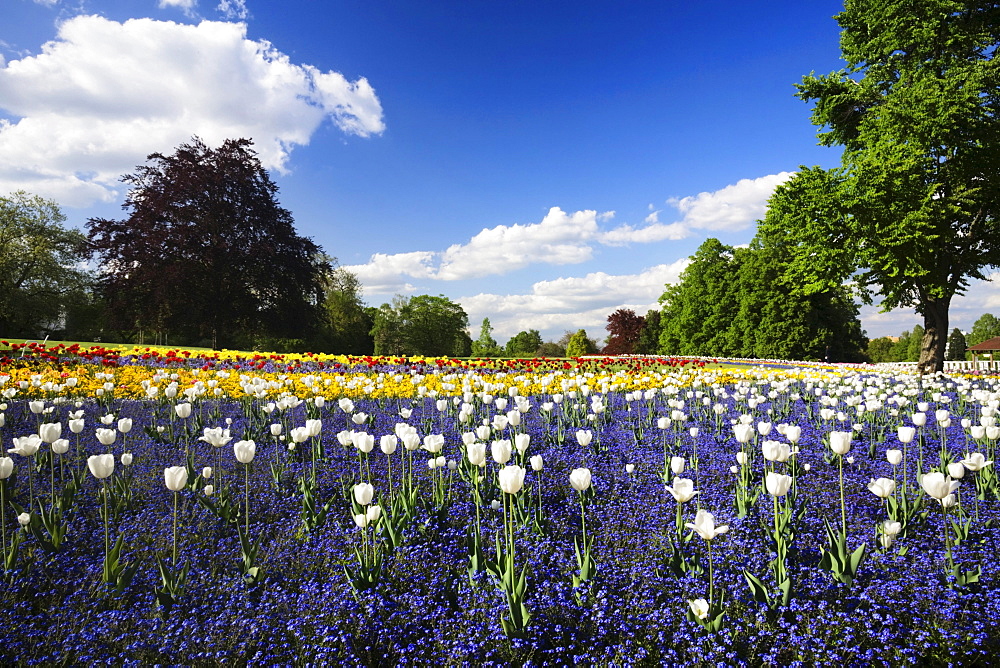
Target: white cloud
(104, 94)
(559, 239)
(384, 274)
(568, 238)
(186, 6)
(573, 303)
(233, 10)
(626, 234)
(732, 208)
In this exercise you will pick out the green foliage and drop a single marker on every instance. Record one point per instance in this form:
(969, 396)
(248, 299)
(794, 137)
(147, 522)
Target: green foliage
(421, 325)
(486, 345)
(880, 350)
(345, 321)
(624, 329)
(914, 205)
(984, 328)
(740, 303)
(39, 280)
(956, 345)
(901, 348)
(649, 336)
(551, 349)
(916, 343)
(207, 253)
(580, 344)
(524, 344)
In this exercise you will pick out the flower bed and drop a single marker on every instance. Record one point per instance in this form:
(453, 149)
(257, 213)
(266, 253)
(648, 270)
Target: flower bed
(287, 560)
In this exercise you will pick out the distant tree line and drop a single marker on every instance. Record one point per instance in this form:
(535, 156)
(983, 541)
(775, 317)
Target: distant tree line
(906, 347)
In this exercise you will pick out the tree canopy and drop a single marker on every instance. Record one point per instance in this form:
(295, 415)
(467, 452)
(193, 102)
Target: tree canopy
(624, 329)
(913, 206)
(485, 345)
(984, 328)
(956, 345)
(524, 344)
(207, 252)
(345, 321)
(421, 325)
(580, 344)
(40, 278)
(734, 302)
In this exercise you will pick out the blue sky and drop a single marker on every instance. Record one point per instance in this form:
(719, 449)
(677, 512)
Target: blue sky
(541, 163)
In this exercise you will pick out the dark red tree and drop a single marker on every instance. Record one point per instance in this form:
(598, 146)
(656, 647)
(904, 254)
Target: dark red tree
(624, 328)
(206, 251)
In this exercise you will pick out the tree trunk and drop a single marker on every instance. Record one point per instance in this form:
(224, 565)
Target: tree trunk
(935, 341)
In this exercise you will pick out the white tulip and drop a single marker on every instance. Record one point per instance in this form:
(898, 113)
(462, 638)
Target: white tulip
(175, 477)
(511, 479)
(579, 479)
(244, 451)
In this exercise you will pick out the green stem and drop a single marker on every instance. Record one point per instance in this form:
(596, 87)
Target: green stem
(246, 493)
(843, 507)
(107, 547)
(174, 561)
(711, 576)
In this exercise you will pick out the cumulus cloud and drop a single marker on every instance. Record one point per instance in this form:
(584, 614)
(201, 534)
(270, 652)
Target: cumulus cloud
(233, 10)
(386, 274)
(574, 302)
(104, 94)
(732, 208)
(563, 238)
(560, 238)
(186, 6)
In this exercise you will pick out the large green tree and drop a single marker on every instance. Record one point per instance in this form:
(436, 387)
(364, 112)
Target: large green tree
(738, 303)
(580, 344)
(207, 251)
(421, 325)
(698, 309)
(524, 344)
(346, 322)
(649, 336)
(40, 278)
(485, 345)
(956, 345)
(913, 206)
(984, 328)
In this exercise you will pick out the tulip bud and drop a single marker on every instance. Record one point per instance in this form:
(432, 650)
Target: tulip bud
(24, 519)
(106, 436)
(629, 468)
(175, 477)
(501, 451)
(49, 432)
(840, 442)
(677, 465)
(101, 466)
(60, 446)
(6, 467)
(209, 490)
(511, 479)
(579, 479)
(537, 463)
(476, 454)
(127, 459)
(956, 470)
(363, 493)
(245, 451)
